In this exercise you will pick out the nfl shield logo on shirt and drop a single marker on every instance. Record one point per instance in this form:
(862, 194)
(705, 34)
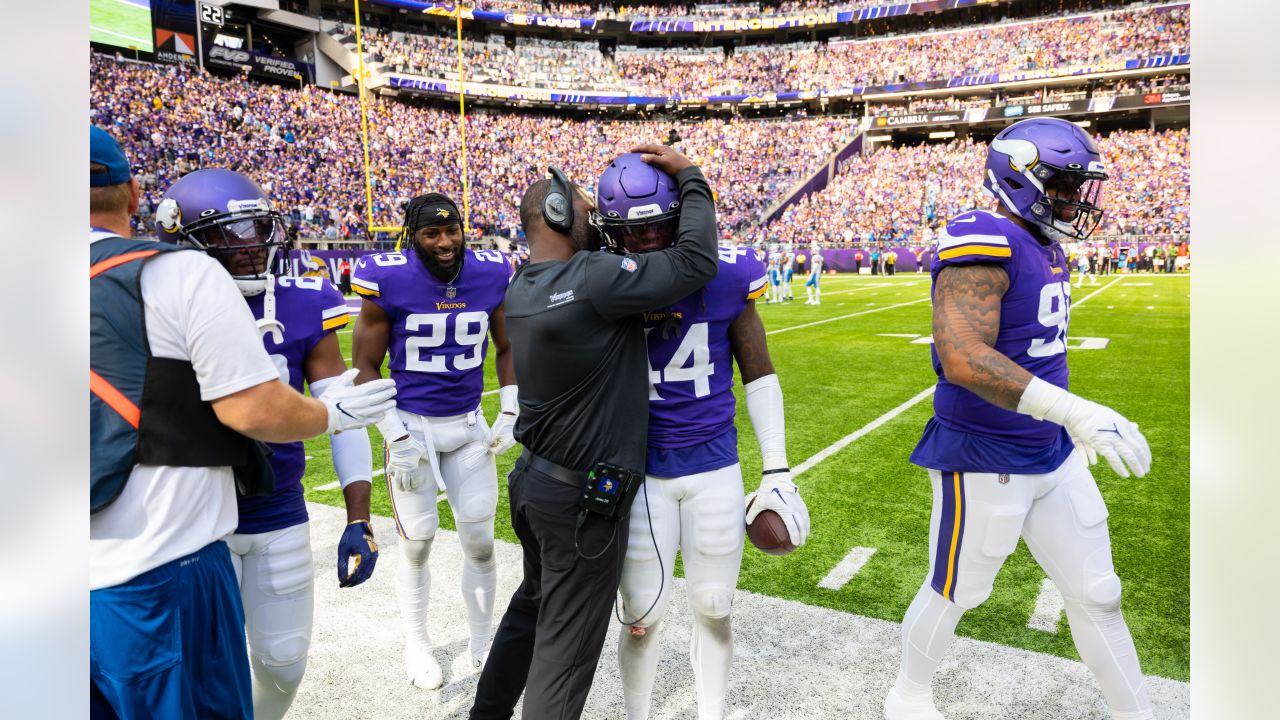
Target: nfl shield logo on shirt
(629, 265)
(451, 292)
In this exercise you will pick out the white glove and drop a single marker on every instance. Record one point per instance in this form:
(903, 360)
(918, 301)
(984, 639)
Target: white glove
(502, 435)
(403, 457)
(779, 494)
(1097, 429)
(353, 406)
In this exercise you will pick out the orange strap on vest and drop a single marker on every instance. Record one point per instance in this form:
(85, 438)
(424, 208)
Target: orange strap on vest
(114, 399)
(105, 265)
(97, 384)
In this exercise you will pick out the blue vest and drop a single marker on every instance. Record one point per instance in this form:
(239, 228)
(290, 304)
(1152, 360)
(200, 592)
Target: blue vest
(142, 409)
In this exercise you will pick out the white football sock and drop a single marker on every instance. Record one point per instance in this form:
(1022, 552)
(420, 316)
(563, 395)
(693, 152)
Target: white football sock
(479, 580)
(927, 631)
(638, 665)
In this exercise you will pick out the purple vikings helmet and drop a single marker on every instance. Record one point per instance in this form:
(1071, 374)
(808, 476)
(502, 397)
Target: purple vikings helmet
(637, 205)
(226, 215)
(1032, 156)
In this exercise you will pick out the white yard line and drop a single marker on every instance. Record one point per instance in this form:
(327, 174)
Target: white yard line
(841, 574)
(846, 317)
(1049, 607)
(329, 486)
(140, 41)
(838, 445)
(1086, 298)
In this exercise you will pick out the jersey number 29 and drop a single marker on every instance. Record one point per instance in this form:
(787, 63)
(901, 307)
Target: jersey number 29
(469, 331)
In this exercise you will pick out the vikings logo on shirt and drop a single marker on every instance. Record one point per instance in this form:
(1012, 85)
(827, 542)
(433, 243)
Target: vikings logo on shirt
(439, 331)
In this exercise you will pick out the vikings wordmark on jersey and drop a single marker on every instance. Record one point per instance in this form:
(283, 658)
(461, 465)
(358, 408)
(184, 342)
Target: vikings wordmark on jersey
(690, 359)
(439, 330)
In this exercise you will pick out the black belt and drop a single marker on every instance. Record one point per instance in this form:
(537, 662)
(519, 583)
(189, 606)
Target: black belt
(575, 478)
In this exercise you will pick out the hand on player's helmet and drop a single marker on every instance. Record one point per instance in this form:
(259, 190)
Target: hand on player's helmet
(403, 456)
(502, 435)
(353, 406)
(666, 159)
(779, 494)
(357, 554)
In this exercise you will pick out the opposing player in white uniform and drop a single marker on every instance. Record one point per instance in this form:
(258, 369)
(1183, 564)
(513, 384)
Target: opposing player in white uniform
(433, 308)
(788, 269)
(813, 286)
(226, 214)
(775, 276)
(1008, 449)
(692, 499)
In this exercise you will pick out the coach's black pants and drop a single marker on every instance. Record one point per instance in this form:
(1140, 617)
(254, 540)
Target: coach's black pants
(550, 638)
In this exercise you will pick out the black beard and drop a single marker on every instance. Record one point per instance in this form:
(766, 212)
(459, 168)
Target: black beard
(444, 273)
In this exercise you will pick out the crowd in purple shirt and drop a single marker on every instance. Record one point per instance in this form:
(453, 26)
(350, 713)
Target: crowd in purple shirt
(303, 147)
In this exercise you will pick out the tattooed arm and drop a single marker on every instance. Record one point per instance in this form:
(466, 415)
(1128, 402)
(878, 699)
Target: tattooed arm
(966, 321)
(746, 338)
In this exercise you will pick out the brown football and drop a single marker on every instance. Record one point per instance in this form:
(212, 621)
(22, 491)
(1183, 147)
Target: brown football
(769, 534)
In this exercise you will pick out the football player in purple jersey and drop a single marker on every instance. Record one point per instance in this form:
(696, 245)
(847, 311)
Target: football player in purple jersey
(432, 309)
(228, 216)
(692, 499)
(1009, 447)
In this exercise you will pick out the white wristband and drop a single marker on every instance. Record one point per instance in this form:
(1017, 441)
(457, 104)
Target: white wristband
(1040, 400)
(509, 398)
(352, 456)
(764, 406)
(391, 426)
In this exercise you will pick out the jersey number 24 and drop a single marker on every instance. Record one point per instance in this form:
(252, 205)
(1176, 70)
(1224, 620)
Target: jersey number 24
(691, 362)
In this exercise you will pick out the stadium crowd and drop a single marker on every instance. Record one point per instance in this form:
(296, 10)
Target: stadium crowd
(903, 195)
(1058, 46)
(1064, 45)
(716, 11)
(299, 145)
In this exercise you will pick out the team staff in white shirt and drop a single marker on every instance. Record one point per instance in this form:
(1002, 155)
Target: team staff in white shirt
(166, 621)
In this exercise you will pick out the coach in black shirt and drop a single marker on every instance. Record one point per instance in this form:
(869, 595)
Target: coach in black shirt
(577, 338)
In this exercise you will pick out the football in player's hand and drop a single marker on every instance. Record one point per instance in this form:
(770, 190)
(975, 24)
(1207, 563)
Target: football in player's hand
(769, 534)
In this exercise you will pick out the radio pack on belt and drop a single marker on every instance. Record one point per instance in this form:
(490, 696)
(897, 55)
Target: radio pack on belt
(606, 489)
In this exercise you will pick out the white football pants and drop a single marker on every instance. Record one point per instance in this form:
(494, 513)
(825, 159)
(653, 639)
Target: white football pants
(702, 516)
(276, 577)
(458, 451)
(976, 522)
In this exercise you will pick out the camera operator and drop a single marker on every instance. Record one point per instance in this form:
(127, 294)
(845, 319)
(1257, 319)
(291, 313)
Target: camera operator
(574, 317)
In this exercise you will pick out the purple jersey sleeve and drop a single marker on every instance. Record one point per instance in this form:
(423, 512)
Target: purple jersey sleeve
(1034, 314)
(439, 331)
(307, 308)
(691, 397)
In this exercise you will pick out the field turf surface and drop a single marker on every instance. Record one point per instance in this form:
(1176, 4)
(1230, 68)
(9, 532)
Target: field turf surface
(846, 370)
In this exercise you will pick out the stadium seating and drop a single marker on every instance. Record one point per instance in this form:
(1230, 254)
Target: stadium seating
(902, 194)
(301, 147)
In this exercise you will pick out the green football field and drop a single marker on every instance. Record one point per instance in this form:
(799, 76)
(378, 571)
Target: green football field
(121, 23)
(855, 361)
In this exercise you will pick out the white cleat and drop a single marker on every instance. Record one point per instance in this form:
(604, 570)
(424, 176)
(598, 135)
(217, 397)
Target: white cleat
(478, 659)
(897, 707)
(421, 666)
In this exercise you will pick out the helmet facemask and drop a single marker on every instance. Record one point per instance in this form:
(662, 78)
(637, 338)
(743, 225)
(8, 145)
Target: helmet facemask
(247, 243)
(642, 235)
(1072, 203)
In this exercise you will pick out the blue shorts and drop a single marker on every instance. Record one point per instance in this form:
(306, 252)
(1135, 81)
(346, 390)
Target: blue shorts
(813, 280)
(170, 643)
(789, 275)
